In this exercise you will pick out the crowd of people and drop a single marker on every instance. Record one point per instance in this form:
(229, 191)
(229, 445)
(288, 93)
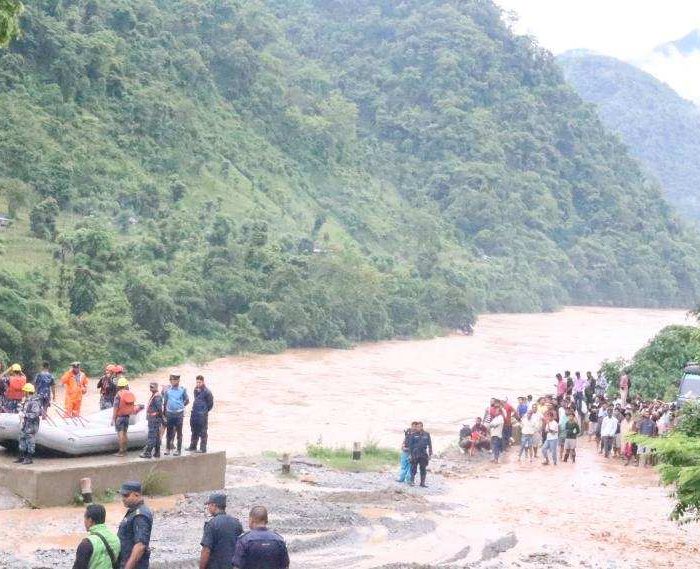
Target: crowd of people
(165, 408)
(224, 544)
(550, 427)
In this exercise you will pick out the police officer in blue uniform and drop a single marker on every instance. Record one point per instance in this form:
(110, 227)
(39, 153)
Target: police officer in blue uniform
(420, 449)
(154, 416)
(199, 418)
(221, 533)
(260, 548)
(135, 529)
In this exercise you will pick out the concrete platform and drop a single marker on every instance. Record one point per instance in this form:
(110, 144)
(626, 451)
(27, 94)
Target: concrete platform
(56, 481)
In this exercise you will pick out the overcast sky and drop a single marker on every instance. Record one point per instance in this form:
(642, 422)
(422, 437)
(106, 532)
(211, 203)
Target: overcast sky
(626, 29)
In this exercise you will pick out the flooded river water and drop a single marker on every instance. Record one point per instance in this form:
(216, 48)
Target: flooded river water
(575, 515)
(284, 401)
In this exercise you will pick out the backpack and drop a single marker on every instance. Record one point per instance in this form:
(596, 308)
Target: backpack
(126, 403)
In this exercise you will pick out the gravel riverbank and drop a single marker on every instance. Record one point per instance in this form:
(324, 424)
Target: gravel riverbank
(473, 514)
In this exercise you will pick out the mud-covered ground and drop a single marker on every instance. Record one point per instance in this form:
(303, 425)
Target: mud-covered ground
(325, 515)
(474, 514)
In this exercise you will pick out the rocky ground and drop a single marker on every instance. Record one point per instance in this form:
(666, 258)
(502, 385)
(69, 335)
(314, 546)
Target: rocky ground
(367, 520)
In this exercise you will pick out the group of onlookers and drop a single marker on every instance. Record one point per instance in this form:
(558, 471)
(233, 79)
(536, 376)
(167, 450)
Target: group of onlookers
(553, 423)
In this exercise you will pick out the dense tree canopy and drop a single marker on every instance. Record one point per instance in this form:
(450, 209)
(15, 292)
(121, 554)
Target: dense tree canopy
(9, 20)
(214, 176)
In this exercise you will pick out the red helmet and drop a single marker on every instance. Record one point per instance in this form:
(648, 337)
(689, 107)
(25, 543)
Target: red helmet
(118, 369)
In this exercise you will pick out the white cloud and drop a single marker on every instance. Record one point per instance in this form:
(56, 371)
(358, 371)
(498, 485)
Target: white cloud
(682, 72)
(626, 29)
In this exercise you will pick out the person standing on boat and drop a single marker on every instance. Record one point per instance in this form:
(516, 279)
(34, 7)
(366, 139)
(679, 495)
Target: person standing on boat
(16, 380)
(76, 383)
(154, 415)
(45, 385)
(107, 385)
(30, 413)
(175, 399)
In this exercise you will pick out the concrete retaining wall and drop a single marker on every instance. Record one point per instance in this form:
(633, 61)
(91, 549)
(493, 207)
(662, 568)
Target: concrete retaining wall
(56, 482)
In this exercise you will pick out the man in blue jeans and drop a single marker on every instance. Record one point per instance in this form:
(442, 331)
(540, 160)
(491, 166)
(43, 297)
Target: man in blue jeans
(552, 440)
(405, 467)
(175, 400)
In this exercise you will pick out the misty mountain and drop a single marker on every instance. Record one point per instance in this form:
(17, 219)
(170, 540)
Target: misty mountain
(660, 127)
(676, 63)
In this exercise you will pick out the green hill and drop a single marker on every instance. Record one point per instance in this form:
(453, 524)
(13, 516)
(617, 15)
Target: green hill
(660, 128)
(197, 177)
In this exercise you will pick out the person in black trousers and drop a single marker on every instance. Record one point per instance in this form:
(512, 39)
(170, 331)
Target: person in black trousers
(199, 419)
(420, 448)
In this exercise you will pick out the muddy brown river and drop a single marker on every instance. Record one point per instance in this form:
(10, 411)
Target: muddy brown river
(596, 513)
(284, 401)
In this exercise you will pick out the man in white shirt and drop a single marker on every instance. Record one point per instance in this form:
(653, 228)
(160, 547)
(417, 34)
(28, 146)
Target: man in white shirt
(550, 444)
(528, 425)
(608, 430)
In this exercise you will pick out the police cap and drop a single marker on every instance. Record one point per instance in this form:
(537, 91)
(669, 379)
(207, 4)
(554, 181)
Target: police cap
(218, 500)
(129, 487)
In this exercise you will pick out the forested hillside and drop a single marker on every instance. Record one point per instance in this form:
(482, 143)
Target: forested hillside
(196, 177)
(659, 127)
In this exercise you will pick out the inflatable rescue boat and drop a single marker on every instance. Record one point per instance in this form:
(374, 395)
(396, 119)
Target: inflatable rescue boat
(76, 436)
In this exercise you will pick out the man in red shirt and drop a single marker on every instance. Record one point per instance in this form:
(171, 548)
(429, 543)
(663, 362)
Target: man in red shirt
(508, 411)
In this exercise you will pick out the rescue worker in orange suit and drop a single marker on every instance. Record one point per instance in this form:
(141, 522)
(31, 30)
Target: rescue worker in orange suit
(76, 383)
(124, 407)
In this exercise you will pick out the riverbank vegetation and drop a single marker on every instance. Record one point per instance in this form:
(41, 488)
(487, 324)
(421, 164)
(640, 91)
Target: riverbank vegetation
(679, 463)
(656, 369)
(190, 179)
(373, 458)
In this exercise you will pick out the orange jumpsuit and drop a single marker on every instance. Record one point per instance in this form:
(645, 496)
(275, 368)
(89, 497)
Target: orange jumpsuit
(76, 387)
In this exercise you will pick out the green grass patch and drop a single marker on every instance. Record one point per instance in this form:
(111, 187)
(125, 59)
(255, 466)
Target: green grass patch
(374, 458)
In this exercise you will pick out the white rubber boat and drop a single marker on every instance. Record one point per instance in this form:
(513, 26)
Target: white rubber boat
(91, 434)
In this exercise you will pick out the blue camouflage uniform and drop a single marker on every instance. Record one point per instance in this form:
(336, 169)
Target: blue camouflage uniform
(43, 381)
(135, 528)
(154, 415)
(32, 409)
(261, 548)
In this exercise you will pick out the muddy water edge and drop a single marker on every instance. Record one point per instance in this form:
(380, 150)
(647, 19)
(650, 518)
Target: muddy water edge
(474, 514)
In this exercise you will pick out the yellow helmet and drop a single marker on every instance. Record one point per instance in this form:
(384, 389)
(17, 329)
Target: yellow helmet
(122, 382)
(28, 388)
(15, 367)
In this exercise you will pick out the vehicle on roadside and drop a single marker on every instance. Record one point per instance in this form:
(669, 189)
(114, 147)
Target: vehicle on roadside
(689, 388)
